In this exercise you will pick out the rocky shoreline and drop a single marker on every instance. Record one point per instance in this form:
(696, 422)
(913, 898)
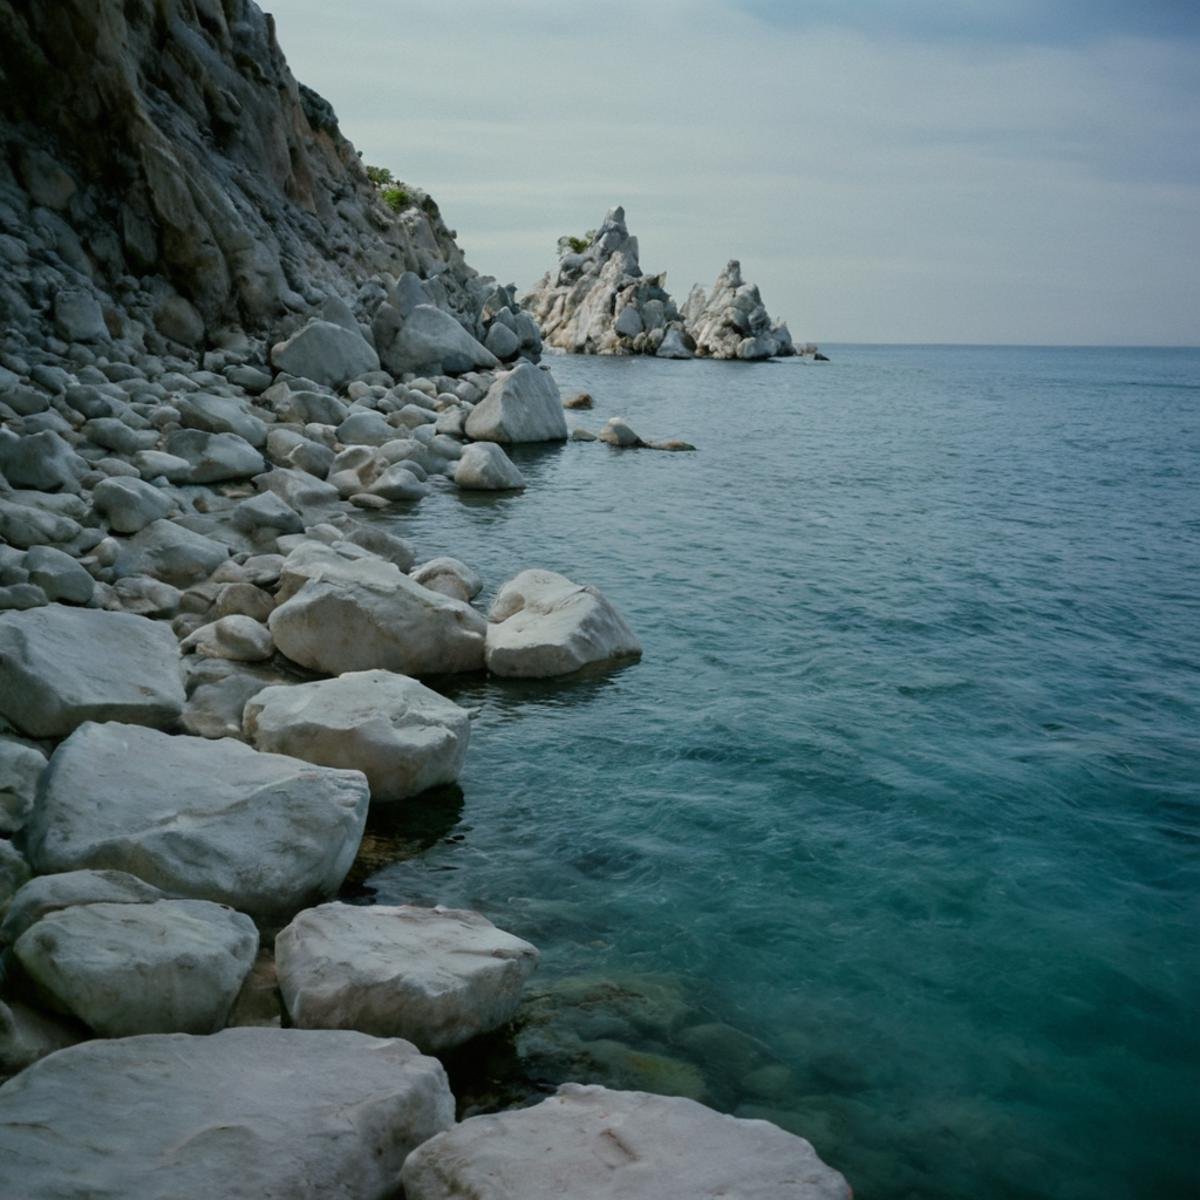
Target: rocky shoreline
(230, 364)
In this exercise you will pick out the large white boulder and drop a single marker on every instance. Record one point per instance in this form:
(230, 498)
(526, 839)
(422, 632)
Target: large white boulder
(522, 405)
(484, 467)
(326, 353)
(403, 736)
(542, 624)
(62, 666)
(590, 1143)
(170, 966)
(367, 614)
(210, 820)
(245, 1114)
(47, 894)
(430, 341)
(436, 976)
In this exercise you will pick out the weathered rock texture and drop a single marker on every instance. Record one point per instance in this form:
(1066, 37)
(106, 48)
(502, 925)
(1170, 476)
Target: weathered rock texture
(732, 321)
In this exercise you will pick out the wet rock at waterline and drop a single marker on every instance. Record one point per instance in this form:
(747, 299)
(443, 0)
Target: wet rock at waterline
(435, 976)
(485, 467)
(402, 735)
(522, 405)
(244, 1114)
(210, 820)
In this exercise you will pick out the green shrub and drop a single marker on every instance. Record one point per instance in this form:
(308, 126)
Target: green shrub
(396, 198)
(379, 175)
(576, 244)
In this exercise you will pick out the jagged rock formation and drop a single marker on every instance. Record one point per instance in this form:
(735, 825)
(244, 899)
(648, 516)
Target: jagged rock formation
(733, 322)
(164, 179)
(598, 301)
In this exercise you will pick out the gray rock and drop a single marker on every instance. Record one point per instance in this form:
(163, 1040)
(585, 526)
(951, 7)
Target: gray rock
(326, 353)
(14, 870)
(267, 511)
(222, 414)
(436, 976)
(169, 966)
(432, 341)
(62, 666)
(23, 525)
(217, 693)
(19, 597)
(543, 625)
(403, 736)
(78, 317)
(129, 505)
(42, 461)
(171, 553)
(399, 482)
(215, 457)
(210, 820)
(365, 428)
(27, 1035)
(59, 575)
(617, 432)
(245, 1114)
(522, 405)
(154, 463)
(239, 638)
(485, 467)
(450, 576)
(47, 894)
(502, 342)
(626, 1145)
(21, 767)
(673, 345)
(115, 435)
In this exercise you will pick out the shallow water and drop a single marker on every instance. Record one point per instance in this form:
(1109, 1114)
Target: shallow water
(892, 835)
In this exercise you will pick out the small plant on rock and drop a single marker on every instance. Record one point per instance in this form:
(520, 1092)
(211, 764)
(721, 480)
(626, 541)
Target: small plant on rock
(396, 198)
(379, 176)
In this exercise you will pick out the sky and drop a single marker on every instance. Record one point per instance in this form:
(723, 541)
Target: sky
(885, 170)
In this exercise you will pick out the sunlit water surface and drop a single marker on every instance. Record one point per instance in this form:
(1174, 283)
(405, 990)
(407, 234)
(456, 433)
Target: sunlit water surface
(892, 835)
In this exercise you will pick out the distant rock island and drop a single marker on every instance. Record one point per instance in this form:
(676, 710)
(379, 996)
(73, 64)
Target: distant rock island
(598, 300)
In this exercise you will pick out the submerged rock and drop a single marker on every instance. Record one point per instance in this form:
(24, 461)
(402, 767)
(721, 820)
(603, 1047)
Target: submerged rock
(402, 735)
(542, 624)
(244, 1114)
(210, 820)
(436, 976)
(608, 1144)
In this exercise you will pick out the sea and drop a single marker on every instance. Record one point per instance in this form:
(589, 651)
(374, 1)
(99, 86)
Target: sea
(891, 837)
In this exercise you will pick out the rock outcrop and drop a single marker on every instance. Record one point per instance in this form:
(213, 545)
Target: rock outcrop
(732, 322)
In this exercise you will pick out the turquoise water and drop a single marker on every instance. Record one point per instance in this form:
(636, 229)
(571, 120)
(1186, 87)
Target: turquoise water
(892, 835)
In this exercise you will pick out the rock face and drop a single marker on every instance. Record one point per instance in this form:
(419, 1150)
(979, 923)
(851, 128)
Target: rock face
(210, 820)
(435, 976)
(523, 405)
(402, 735)
(363, 615)
(732, 322)
(246, 1114)
(598, 301)
(61, 666)
(542, 625)
(170, 966)
(618, 1146)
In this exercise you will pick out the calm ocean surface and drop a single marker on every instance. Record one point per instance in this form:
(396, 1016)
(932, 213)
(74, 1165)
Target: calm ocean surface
(892, 836)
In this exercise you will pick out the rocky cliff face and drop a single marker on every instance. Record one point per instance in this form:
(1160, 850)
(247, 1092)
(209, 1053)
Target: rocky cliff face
(164, 178)
(598, 301)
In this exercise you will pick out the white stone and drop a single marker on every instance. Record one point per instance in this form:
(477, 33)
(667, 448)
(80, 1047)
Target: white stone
(617, 432)
(436, 976)
(170, 552)
(46, 894)
(326, 353)
(485, 467)
(210, 820)
(236, 637)
(450, 576)
(62, 666)
(403, 736)
(542, 625)
(215, 457)
(246, 1114)
(170, 966)
(21, 767)
(591, 1143)
(522, 405)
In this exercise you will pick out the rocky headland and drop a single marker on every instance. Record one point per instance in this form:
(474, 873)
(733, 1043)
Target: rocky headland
(597, 300)
(230, 362)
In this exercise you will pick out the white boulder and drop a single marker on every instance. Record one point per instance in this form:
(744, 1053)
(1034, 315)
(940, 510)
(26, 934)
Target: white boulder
(485, 467)
(595, 1144)
(170, 966)
(245, 1114)
(450, 576)
(236, 637)
(435, 976)
(62, 666)
(46, 894)
(209, 820)
(403, 736)
(430, 341)
(326, 353)
(542, 625)
(522, 405)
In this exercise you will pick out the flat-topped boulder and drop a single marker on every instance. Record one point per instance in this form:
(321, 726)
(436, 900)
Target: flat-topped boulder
(245, 1114)
(209, 820)
(62, 666)
(367, 614)
(595, 1144)
(436, 976)
(403, 736)
(167, 966)
(522, 405)
(542, 624)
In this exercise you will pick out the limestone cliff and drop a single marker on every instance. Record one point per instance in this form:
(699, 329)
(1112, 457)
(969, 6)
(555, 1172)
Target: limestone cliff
(164, 178)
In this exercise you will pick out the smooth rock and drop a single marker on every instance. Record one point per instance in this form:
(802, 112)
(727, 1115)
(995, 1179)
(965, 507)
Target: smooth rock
(21, 767)
(485, 467)
(41, 461)
(47, 894)
(59, 575)
(436, 976)
(595, 1144)
(215, 457)
(245, 1114)
(167, 551)
(14, 870)
(210, 820)
(617, 432)
(543, 625)
(79, 317)
(169, 966)
(27, 1035)
(450, 576)
(326, 353)
(236, 637)
(522, 405)
(129, 505)
(403, 736)
(62, 666)
(431, 341)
